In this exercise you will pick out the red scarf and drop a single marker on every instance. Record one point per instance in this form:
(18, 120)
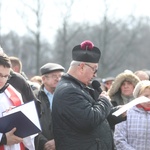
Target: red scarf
(16, 102)
(140, 106)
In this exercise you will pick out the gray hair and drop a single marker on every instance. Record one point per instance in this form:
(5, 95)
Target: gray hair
(75, 63)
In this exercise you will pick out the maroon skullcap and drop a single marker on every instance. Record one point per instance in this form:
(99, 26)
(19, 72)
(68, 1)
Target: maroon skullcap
(86, 52)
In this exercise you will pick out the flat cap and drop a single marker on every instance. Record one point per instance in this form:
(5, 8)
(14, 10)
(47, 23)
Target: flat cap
(50, 67)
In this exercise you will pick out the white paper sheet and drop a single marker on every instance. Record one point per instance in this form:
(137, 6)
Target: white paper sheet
(127, 106)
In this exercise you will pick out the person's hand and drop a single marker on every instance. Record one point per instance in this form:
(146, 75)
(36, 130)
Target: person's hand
(10, 108)
(105, 94)
(50, 145)
(123, 114)
(11, 138)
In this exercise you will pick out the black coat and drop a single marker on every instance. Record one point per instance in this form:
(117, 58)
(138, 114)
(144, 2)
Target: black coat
(22, 86)
(80, 122)
(45, 120)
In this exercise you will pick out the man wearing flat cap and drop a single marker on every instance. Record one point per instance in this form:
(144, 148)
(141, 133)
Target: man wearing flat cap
(79, 121)
(51, 74)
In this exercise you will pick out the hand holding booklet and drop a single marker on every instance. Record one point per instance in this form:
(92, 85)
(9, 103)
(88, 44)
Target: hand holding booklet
(127, 106)
(24, 118)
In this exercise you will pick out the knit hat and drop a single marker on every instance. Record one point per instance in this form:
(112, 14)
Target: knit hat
(140, 85)
(86, 52)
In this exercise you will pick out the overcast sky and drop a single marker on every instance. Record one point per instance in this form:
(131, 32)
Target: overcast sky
(82, 10)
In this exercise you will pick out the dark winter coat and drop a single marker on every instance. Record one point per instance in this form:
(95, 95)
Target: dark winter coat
(79, 122)
(45, 120)
(22, 86)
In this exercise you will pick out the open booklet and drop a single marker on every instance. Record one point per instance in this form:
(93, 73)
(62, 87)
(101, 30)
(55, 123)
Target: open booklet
(24, 118)
(129, 105)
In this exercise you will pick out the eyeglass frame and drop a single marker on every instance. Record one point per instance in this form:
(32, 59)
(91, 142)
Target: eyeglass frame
(93, 68)
(52, 77)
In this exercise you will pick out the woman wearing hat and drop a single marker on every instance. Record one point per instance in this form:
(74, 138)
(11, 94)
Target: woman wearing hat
(121, 91)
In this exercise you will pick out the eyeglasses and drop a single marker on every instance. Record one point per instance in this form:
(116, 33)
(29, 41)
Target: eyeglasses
(93, 68)
(53, 76)
(6, 77)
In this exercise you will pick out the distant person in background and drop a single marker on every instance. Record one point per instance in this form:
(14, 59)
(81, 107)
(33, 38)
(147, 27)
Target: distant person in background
(142, 75)
(35, 82)
(121, 91)
(51, 74)
(134, 133)
(16, 66)
(37, 79)
(107, 82)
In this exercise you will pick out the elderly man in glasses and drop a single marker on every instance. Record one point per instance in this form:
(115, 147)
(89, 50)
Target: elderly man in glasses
(51, 74)
(80, 121)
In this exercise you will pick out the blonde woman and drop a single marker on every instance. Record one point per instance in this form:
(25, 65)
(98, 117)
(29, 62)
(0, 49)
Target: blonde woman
(134, 133)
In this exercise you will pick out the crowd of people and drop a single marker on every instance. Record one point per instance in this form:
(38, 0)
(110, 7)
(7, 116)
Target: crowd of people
(74, 113)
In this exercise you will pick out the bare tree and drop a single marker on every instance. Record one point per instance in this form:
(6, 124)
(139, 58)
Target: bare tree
(65, 36)
(111, 36)
(35, 10)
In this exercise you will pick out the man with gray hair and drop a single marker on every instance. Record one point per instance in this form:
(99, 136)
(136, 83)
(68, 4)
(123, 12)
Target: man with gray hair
(80, 121)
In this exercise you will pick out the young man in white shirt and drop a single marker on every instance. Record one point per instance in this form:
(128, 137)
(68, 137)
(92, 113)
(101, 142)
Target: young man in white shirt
(9, 97)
